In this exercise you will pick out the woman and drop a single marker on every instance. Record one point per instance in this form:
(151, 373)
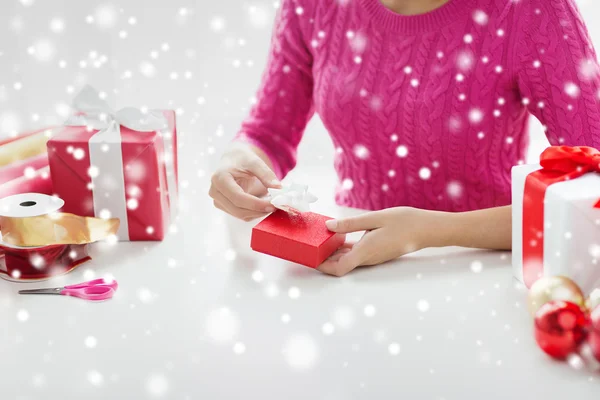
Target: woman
(427, 103)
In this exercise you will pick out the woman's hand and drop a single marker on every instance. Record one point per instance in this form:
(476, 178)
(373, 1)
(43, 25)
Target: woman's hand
(389, 234)
(240, 181)
(397, 231)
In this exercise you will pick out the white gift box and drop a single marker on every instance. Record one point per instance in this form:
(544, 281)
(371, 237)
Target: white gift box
(571, 231)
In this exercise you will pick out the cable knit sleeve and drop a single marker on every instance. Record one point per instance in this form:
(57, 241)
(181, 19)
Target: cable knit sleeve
(557, 71)
(284, 104)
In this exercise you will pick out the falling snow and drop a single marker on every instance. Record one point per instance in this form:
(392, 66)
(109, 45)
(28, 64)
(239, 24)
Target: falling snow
(571, 89)
(157, 385)
(423, 305)
(361, 152)
(480, 17)
(300, 351)
(344, 317)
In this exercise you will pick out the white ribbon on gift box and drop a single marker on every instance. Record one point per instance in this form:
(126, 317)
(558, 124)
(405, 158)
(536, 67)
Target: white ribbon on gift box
(109, 194)
(292, 198)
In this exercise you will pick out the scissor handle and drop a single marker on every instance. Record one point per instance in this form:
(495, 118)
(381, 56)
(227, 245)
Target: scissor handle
(96, 282)
(94, 293)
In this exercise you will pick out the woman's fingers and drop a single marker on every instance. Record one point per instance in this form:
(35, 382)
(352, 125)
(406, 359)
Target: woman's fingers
(258, 168)
(225, 184)
(364, 222)
(223, 203)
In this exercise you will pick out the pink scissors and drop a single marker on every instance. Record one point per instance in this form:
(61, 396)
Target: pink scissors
(96, 290)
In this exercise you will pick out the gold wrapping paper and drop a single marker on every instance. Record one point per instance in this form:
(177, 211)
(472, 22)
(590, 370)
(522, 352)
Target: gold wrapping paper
(21, 149)
(56, 228)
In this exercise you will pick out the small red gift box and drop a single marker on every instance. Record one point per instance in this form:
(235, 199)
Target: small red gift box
(300, 238)
(119, 164)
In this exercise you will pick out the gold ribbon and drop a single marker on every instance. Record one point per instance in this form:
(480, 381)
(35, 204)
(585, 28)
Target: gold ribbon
(56, 228)
(21, 149)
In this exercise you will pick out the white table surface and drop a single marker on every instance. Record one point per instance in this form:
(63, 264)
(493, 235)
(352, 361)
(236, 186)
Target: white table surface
(199, 316)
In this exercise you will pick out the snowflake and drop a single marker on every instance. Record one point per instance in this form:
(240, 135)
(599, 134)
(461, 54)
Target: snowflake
(172, 263)
(394, 138)
(391, 173)
(423, 305)
(424, 173)
(347, 184)
(498, 69)
(22, 315)
(300, 351)
(271, 290)
(157, 385)
(572, 90)
(37, 261)
(465, 60)
(440, 54)
(147, 69)
(454, 189)
(239, 348)
(394, 348)
(500, 32)
(328, 328)
(480, 17)
(357, 59)
(105, 16)
(344, 317)
(414, 82)
(358, 43)
(468, 38)
(350, 34)
(376, 103)
(370, 310)
(460, 77)
(407, 69)
(201, 100)
(594, 250)
(294, 292)
(476, 266)
(401, 151)
(95, 378)
(361, 151)
(475, 115)
(57, 25)
(91, 342)
(588, 69)
(222, 325)
(321, 34)
(285, 318)
(29, 172)
(217, 24)
(257, 276)
(43, 50)
(145, 295)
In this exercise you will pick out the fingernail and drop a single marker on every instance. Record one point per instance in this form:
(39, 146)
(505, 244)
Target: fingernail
(331, 224)
(270, 209)
(275, 182)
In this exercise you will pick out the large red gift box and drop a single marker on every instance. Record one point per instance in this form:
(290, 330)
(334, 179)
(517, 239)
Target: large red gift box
(127, 174)
(300, 238)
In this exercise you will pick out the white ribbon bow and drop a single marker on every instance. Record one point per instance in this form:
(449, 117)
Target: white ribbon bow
(95, 113)
(108, 185)
(292, 198)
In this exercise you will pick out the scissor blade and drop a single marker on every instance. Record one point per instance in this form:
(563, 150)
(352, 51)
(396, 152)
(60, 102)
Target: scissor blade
(41, 291)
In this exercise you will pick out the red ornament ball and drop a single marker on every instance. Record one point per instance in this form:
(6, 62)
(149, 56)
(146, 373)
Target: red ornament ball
(594, 338)
(560, 327)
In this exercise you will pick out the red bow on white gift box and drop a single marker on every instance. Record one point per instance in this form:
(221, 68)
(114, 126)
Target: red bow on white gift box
(558, 164)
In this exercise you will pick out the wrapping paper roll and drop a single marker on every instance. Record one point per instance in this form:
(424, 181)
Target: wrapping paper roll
(22, 135)
(17, 169)
(24, 147)
(39, 183)
(32, 219)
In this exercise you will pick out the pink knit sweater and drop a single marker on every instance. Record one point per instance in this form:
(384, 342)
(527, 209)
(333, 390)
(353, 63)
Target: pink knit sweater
(428, 111)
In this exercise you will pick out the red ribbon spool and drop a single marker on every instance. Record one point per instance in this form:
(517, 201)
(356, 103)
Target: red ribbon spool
(38, 263)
